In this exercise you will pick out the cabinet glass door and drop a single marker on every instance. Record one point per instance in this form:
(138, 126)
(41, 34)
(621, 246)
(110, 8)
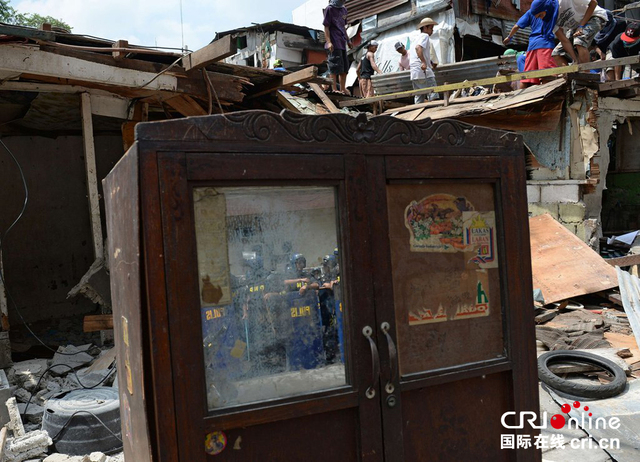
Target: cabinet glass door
(269, 272)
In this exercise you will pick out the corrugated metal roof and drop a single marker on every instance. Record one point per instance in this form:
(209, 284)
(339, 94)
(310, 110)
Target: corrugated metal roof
(359, 9)
(630, 295)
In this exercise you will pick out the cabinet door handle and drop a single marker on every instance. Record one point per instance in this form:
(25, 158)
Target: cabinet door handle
(367, 331)
(393, 358)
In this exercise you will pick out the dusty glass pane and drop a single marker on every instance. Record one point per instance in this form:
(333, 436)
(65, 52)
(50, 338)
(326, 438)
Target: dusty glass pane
(268, 263)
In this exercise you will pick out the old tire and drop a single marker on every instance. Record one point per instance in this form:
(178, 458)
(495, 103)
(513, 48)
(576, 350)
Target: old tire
(608, 390)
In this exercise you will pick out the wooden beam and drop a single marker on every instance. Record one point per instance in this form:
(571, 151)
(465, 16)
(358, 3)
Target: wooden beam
(618, 84)
(27, 32)
(325, 99)
(493, 80)
(186, 106)
(629, 260)
(213, 52)
(94, 323)
(92, 177)
(120, 55)
(111, 106)
(31, 61)
(303, 75)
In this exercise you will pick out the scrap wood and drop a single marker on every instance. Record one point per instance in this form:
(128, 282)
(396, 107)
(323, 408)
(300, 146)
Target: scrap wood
(493, 80)
(3, 441)
(93, 323)
(325, 99)
(215, 51)
(563, 265)
(301, 76)
(557, 339)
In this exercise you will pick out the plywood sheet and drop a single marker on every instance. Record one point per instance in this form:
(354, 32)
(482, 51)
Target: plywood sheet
(563, 265)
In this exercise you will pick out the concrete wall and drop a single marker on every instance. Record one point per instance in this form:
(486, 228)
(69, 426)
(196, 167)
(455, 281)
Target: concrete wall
(50, 248)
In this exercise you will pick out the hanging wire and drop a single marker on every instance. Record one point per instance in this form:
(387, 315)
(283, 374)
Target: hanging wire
(2, 240)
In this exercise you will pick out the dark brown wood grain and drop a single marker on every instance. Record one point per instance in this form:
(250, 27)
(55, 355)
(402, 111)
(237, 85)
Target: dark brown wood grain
(158, 344)
(449, 400)
(123, 227)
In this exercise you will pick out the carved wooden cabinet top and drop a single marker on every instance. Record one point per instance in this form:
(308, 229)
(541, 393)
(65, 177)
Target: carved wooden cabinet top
(290, 128)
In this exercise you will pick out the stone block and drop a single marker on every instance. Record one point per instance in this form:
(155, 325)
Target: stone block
(27, 373)
(5, 350)
(572, 212)
(540, 209)
(6, 391)
(560, 193)
(533, 193)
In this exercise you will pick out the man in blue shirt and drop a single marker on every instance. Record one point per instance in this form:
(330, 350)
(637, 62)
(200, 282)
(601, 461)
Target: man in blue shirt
(541, 17)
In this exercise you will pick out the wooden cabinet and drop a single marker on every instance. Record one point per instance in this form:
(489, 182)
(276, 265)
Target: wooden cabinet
(317, 288)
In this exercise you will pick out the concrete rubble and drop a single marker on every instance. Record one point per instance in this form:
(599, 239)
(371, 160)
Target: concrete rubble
(30, 384)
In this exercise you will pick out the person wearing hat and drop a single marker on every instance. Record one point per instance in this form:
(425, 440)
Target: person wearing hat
(422, 75)
(403, 63)
(366, 68)
(335, 21)
(626, 44)
(541, 17)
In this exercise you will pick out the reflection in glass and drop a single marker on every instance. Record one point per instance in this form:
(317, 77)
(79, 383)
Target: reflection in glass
(271, 303)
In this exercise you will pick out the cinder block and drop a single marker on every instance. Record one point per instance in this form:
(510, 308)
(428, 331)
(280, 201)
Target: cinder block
(572, 212)
(539, 209)
(560, 193)
(533, 193)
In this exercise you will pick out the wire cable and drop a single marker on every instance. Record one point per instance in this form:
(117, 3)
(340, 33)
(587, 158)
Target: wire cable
(74, 373)
(64, 427)
(2, 240)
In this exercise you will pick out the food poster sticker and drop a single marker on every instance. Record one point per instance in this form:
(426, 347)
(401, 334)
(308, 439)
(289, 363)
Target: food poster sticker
(435, 223)
(448, 296)
(480, 238)
(210, 210)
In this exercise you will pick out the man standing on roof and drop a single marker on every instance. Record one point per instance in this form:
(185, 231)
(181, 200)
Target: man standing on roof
(422, 75)
(366, 69)
(542, 18)
(335, 21)
(581, 20)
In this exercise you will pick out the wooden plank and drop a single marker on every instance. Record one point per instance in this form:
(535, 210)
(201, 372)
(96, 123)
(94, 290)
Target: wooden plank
(3, 441)
(92, 178)
(285, 103)
(628, 260)
(618, 84)
(186, 106)
(29, 60)
(215, 51)
(96, 322)
(111, 106)
(27, 32)
(303, 75)
(497, 80)
(325, 99)
(563, 265)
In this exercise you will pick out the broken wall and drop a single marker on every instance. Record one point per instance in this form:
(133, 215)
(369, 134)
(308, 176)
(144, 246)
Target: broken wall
(566, 178)
(50, 248)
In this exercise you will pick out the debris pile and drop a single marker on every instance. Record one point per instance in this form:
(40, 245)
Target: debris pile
(28, 386)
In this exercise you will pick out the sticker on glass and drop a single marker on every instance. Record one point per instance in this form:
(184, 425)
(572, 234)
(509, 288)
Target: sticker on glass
(435, 223)
(215, 443)
(480, 238)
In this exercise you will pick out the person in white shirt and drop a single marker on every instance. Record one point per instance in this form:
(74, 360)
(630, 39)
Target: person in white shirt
(422, 75)
(580, 20)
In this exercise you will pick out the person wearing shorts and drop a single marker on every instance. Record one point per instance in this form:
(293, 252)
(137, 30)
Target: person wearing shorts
(335, 21)
(578, 23)
(541, 17)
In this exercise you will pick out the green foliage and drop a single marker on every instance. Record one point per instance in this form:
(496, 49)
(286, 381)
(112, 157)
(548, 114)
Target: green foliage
(9, 15)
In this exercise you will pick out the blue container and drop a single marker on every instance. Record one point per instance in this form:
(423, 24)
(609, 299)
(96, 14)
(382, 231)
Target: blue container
(222, 336)
(304, 342)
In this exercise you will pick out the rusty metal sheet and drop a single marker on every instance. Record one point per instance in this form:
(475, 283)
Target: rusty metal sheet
(630, 295)
(563, 265)
(503, 9)
(359, 9)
